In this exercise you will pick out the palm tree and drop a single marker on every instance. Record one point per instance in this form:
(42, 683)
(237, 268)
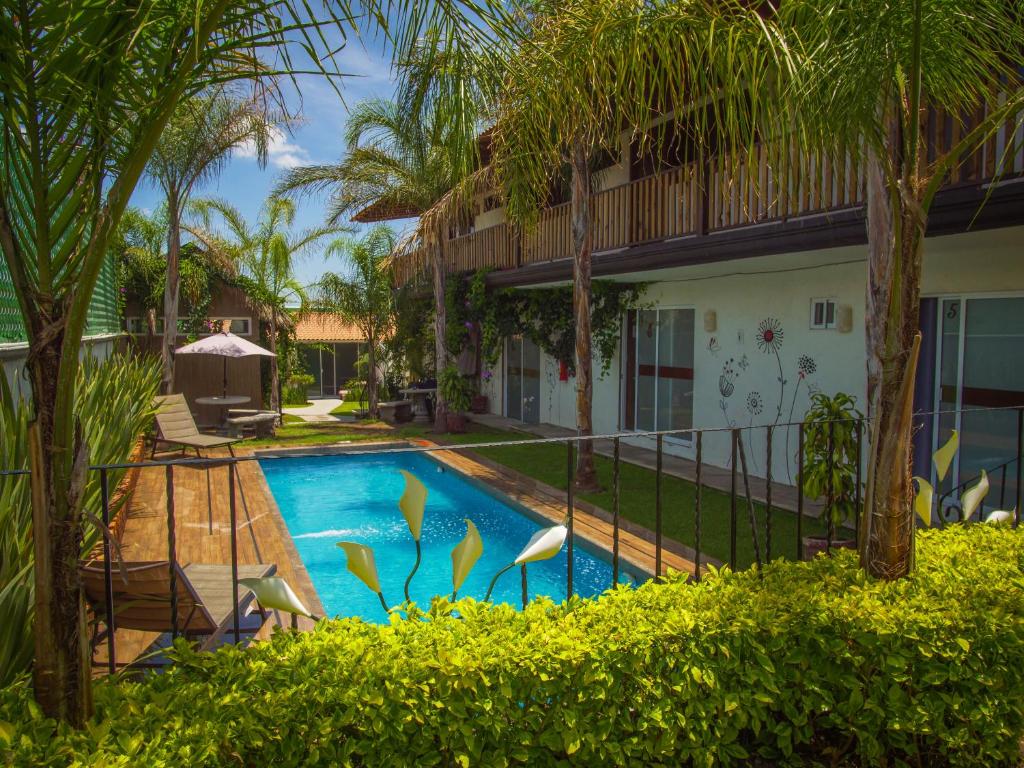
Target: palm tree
(362, 295)
(193, 149)
(838, 78)
(140, 260)
(265, 256)
(401, 164)
(86, 90)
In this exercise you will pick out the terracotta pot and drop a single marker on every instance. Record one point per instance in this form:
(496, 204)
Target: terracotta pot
(479, 404)
(456, 422)
(815, 545)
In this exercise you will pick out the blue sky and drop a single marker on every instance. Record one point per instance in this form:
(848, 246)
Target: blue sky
(317, 138)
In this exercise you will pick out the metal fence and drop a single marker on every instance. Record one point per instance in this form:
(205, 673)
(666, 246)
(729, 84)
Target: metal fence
(742, 487)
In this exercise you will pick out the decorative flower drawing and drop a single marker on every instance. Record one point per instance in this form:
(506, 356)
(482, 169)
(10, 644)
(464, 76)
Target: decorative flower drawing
(769, 336)
(755, 403)
(726, 386)
(727, 381)
(744, 363)
(806, 366)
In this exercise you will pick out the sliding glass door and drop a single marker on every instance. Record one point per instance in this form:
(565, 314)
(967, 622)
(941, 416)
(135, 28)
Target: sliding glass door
(663, 369)
(522, 374)
(980, 374)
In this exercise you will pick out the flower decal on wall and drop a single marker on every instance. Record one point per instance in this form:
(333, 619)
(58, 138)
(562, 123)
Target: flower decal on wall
(805, 365)
(727, 381)
(726, 387)
(769, 335)
(755, 403)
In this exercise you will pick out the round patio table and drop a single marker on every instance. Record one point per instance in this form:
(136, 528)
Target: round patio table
(223, 401)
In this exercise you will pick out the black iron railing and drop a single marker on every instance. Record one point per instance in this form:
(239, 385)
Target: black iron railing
(764, 537)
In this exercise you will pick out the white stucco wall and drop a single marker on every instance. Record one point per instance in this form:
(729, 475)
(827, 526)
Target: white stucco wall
(743, 294)
(741, 383)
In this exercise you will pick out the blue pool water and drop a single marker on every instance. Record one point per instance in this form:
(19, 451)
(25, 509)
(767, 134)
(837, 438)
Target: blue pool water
(327, 499)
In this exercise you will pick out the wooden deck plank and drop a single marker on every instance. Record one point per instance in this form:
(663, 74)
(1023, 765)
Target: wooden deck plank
(261, 539)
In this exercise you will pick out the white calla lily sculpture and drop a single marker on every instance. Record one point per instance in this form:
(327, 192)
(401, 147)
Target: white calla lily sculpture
(943, 457)
(970, 500)
(1000, 517)
(413, 504)
(923, 500)
(362, 563)
(465, 555)
(274, 593)
(543, 545)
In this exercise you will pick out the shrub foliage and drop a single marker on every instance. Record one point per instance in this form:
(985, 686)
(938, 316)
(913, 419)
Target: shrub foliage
(813, 664)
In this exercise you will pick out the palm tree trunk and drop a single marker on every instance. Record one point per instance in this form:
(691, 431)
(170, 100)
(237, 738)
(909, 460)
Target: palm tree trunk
(896, 226)
(171, 295)
(582, 246)
(60, 672)
(440, 322)
(371, 374)
(275, 389)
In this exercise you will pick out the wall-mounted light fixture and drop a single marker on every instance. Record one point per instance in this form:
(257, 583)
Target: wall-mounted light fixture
(844, 318)
(710, 321)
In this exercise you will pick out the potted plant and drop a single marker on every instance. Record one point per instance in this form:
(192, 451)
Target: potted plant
(479, 404)
(457, 395)
(830, 465)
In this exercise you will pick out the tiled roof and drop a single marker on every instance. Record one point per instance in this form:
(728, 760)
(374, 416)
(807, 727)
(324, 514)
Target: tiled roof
(326, 328)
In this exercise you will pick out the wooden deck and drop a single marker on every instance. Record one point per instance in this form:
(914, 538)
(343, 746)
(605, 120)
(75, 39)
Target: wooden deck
(202, 531)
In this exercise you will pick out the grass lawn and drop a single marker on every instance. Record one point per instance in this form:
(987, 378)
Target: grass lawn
(348, 407)
(295, 433)
(547, 463)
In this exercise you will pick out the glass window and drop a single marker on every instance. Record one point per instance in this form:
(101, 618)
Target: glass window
(664, 369)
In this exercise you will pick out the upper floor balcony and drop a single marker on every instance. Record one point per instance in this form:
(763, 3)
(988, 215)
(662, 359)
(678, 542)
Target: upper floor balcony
(696, 204)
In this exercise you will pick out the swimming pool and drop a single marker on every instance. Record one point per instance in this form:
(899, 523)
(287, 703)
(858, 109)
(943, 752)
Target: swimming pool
(327, 499)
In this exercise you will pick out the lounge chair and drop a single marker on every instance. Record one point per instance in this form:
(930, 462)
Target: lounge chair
(142, 597)
(175, 426)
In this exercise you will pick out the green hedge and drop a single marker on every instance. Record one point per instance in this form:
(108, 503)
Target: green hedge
(814, 664)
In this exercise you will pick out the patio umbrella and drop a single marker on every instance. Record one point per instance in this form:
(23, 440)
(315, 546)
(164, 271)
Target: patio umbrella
(225, 344)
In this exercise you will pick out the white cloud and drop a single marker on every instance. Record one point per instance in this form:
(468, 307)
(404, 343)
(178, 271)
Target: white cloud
(282, 152)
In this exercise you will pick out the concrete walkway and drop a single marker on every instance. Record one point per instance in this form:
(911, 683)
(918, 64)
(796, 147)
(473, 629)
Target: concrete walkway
(320, 410)
(783, 496)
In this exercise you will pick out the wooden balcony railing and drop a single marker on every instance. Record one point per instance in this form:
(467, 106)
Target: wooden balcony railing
(721, 193)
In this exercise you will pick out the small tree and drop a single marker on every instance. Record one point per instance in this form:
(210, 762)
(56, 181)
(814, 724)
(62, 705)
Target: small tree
(193, 149)
(86, 90)
(397, 161)
(265, 255)
(362, 296)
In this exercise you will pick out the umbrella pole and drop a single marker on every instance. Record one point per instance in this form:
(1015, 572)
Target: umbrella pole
(225, 377)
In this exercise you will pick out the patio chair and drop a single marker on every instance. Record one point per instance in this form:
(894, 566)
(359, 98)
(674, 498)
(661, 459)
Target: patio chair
(175, 426)
(142, 598)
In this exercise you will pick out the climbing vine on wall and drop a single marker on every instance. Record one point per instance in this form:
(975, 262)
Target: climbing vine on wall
(543, 315)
